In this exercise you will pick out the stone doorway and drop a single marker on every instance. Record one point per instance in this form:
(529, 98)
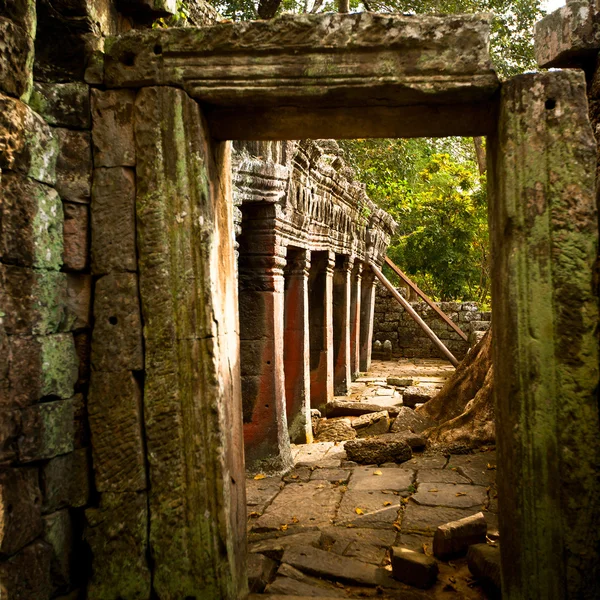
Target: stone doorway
(356, 76)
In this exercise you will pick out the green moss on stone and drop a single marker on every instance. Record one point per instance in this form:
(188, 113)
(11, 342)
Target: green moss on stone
(60, 365)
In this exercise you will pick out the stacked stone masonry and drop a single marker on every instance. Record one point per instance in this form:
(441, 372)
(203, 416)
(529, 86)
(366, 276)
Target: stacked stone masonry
(393, 323)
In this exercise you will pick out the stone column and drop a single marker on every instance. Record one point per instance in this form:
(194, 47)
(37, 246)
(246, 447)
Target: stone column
(342, 283)
(261, 303)
(543, 229)
(191, 396)
(321, 328)
(355, 301)
(296, 351)
(367, 310)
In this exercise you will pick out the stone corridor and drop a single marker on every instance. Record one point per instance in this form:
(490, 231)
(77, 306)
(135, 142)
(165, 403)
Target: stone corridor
(325, 529)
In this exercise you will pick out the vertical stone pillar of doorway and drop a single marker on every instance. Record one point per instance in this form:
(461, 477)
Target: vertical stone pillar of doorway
(261, 305)
(355, 299)
(321, 328)
(191, 393)
(367, 310)
(342, 284)
(296, 346)
(543, 230)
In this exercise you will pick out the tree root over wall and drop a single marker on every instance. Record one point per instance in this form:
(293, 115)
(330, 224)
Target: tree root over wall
(464, 408)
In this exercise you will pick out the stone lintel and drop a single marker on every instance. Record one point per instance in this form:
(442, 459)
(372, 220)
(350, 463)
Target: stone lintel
(568, 36)
(315, 61)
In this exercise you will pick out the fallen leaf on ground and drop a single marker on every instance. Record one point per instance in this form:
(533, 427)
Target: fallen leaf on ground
(254, 514)
(387, 503)
(434, 490)
(397, 527)
(351, 525)
(294, 519)
(378, 472)
(359, 511)
(491, 467)
(283, 528)
(461, 494)
(260, 476)
(294, 476)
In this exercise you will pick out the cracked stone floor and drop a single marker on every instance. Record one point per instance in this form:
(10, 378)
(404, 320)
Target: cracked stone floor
(324, 529)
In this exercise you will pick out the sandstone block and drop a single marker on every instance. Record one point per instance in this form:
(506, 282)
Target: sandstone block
(74, 165)
(113, 221)
(33, 301)
(340, 408)
(399, 381)
(20, 12)
(79, 301)
(413, 567)
(114, 408)
(32, 222)
(117, 535)
(41, 366)
(372, 424)
(374, 451)
(410, 421)
(20, 509)
(455, 537)
(83, 349)
(65, 481)
(117, 340)
(62, 104)
(484, 564)
(112, 134)
(48, 430)
(335, 430)
(76, 236)
(10, 430)
(58, 534)
(27, 141)
(261, 571)
(16, 58)
(26, 575)
(418, 394)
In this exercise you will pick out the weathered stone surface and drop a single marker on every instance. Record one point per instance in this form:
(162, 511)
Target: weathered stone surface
(339, 408)
(76, 236)
(65, 481)
(370, 479)
(117, 341)
(308, 43)
(399, 381)
(426, 519)
(28, 143)
(418, 394)
(32, 219)
(376, 451)
(62, 104)
(189, 300)
(261, 571)
(20, 509)
(372, 424)
(409, 420)
(484, 563)
(544, 346)
(479, 469)
(426, 476)
(367, 545)
(260, 492)
(48, 430)
(115, 417)
(79, 301)
(41, 366)
(301, 505)
(413, 568)
(26, 575)
(292, 582)
(455, 537)
(10, 430)
(333, 475)
(369, 509)
(32, 301)
(16, 58)
(568, 36)
(274, 547)
(112, 134)
(117, 534)
(74, 165)
(335, 430)
(451, 495)
(113, 221)
(58, 534)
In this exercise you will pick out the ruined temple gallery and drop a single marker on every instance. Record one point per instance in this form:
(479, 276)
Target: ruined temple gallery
(178, 287)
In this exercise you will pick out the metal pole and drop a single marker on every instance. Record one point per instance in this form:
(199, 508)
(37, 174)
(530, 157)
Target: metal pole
(411, 311)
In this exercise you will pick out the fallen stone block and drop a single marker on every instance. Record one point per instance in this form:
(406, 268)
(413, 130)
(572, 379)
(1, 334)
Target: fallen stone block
(484, 563)
(418, 394)
(335, 430)
(399, 381)
(339, 408)
(372, 424)
(413, 567)
(410, 420)
(414, 440)
(455, 537)
(376, 451)
(261, 570)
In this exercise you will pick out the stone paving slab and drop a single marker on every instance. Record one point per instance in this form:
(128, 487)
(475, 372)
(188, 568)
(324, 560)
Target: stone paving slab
(450, 495)
(301, 505)
(374, 478)
(260, 493)
(479, 468)
(426, 519)
(332, 475)
(274, 547)
(377, 509)
(425, 476)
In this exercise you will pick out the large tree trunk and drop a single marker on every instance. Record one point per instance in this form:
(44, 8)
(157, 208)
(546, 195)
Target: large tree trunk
(464, 408)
